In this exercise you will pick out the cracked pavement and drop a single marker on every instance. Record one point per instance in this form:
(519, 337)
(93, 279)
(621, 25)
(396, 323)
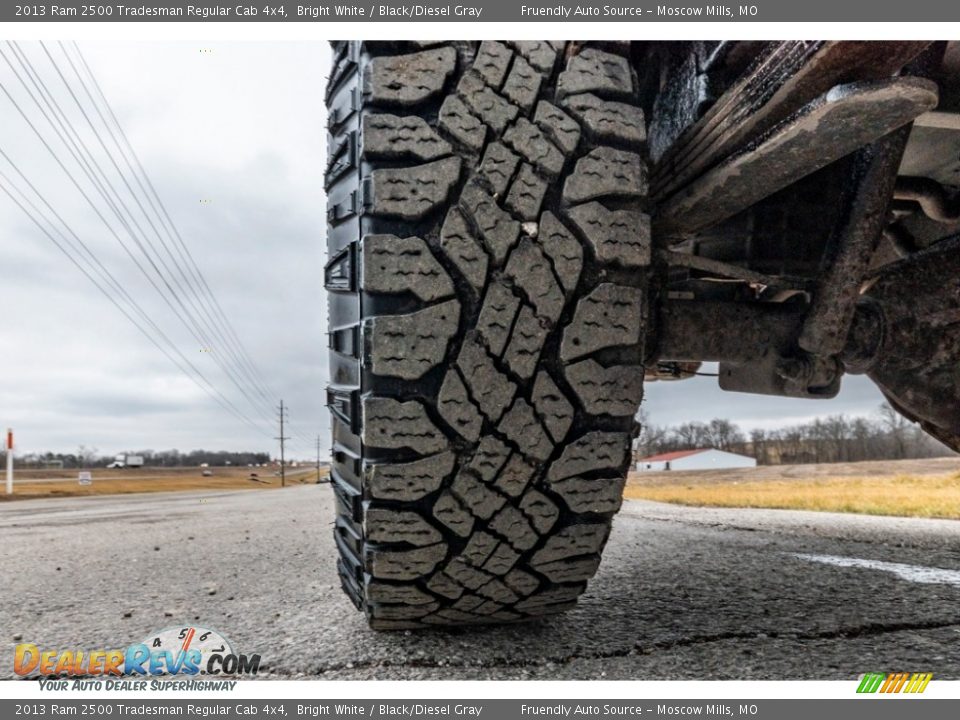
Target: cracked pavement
(682, 593)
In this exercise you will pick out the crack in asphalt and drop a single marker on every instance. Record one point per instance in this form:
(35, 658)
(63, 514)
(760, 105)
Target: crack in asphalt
(846, 633)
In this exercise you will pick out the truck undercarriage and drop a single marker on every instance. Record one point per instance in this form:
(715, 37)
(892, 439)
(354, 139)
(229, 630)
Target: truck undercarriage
(818, 180)
(521, 233)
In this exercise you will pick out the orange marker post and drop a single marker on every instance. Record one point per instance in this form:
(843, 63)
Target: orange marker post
(9, 446)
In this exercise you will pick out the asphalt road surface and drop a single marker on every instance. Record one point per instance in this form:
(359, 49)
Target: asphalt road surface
(682, 593)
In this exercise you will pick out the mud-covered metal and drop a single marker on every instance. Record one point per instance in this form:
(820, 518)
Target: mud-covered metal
(832, 126)
(755, 344)
(854, 241)
(916, 302)
(930, 196)
(782, 78)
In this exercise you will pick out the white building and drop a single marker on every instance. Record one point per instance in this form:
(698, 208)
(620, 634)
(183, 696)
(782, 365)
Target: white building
(702, 459)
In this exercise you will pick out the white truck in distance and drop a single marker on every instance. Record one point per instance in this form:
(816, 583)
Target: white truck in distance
(131, 461)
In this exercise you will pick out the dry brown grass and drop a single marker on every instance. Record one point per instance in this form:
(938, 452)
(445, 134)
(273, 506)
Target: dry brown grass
(930, 496)
(44, 484)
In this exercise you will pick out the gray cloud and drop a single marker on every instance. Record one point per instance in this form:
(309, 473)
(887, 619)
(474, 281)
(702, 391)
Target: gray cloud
(241, 127)
(244, 128)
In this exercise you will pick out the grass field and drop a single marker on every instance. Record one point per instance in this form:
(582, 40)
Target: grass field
(907, 488)
(63, 483)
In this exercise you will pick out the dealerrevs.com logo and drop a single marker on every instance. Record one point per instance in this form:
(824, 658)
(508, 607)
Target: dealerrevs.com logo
(172, 651)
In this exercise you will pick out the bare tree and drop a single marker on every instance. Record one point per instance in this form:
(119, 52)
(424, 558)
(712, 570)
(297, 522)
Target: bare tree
(86, 457)
(897, 427)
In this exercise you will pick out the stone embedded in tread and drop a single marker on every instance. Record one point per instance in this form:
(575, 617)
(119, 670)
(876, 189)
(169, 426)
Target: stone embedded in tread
(489, 388)
(552, 406)
(596, 450)
(409, 79)
(520, 425)
(564, 250)
(404, 564)
(590, 495)
(523, 84)
(494, 110)
(456, 407)
(607, 119)
(498, 230)
(456, 119)
(531, 270)
(496, 316)
(531, 142)
(498, 166)
(382, 525)
(538, 53)
(492, 61)
(596, 71)
(526, 193)
(392, 424)
(392, 136)
(523, 352)
(561, 128)
(608, 317)
(606, 172)
(617, 236)
(406, 482)
(396, 265)
(407, 346)
(410, 193)
(460, 246)
(615, 390)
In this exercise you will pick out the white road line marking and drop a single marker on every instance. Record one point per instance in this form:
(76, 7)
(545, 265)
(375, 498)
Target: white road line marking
(911, 573)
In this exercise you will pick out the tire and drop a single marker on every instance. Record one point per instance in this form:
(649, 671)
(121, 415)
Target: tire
(488, 264)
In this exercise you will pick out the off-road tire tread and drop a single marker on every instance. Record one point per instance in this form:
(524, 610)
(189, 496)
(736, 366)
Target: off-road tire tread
(488, 261)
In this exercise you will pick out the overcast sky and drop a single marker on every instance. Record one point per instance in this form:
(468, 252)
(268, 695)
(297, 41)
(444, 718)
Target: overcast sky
(242, 127)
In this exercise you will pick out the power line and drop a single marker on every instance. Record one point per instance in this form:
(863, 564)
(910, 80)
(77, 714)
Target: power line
(77, 148)
(183, 249)
(194, 280)
(205, 385)
(197, 328)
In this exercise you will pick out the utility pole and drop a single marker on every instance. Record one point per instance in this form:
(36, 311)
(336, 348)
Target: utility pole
(283, 438)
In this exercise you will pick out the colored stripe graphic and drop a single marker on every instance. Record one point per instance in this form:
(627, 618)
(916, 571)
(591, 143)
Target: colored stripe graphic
(894, 683)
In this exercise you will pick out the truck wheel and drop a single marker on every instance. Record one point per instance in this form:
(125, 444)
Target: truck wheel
(488, 263)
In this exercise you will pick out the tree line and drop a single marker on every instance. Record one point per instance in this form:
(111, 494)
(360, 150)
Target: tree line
(89, 457)
(886, 435)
